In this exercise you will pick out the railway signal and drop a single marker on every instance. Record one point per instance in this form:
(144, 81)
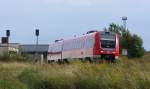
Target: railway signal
(7, 36)
(37, 33)
(8, 33)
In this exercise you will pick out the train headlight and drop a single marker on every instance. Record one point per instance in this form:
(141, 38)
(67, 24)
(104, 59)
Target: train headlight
(113, 52)
(116, 57)
(102, 51)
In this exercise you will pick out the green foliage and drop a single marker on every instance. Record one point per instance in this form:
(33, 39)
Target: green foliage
(132, 42)
(33, 79)
(14, 57)
(5, 57)
(8, 77)
(135, 48)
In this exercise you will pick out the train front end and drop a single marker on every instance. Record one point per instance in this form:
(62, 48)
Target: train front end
(109, 45)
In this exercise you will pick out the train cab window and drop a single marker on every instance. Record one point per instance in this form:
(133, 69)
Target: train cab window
(108, 43)
(108, 40)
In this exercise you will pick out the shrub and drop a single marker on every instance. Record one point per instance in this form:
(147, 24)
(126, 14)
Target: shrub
(15, 57)
(132, 42)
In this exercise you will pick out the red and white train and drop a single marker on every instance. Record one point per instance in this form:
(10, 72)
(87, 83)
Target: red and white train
(94, 46)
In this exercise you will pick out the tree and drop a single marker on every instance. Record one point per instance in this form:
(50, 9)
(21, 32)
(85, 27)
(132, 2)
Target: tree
(135, 47)
(133, 43)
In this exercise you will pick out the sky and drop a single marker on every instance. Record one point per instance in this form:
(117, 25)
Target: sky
(59, 19)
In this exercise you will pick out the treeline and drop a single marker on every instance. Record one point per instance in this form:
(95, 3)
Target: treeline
(132, 42)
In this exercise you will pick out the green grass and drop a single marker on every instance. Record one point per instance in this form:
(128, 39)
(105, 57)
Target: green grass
(126, 74)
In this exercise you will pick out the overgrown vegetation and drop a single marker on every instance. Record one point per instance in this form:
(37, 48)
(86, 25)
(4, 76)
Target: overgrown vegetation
(15, 57)
(132, 42)
(126, 74)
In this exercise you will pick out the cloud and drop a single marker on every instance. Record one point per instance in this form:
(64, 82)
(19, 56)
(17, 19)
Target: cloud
(54, 1)
(79, 3)
(99, 3)
(73, 3)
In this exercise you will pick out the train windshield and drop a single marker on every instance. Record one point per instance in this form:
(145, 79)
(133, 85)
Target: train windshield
(108, 44)
(108, 41)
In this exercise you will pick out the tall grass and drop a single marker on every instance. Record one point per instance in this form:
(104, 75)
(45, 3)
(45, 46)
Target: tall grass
(126, 74)
(15, 57)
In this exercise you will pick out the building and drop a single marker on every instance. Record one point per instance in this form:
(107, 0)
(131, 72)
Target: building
(35, 51)
(11, 48)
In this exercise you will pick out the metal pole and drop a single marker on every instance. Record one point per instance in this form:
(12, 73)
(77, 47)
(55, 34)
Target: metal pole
(37, 42)
(8, 46)
(124, 24)
(8, 35)
(124, 19)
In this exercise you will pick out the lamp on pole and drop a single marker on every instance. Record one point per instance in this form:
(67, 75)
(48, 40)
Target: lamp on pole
(124, 19)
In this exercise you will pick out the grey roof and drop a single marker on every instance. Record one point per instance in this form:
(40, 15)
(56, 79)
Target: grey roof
(14, 45)
(34, 48)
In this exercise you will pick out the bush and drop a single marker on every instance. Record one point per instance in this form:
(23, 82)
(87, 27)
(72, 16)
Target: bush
(135, 48)
(5, 57)
(15, 57)
(132, 42)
